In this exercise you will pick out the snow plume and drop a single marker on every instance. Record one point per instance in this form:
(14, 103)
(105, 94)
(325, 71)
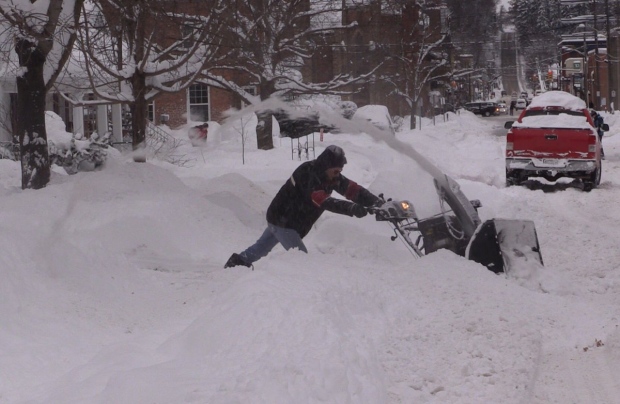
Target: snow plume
(332, 118)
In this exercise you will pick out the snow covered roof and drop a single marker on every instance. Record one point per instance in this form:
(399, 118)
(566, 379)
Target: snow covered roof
(558, 99)
(564, 121)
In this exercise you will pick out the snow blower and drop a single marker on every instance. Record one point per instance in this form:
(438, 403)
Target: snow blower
(497, 244)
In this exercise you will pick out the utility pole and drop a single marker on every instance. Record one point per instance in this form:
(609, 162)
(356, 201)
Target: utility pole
(597, 81)
(585, 65)
(585, 68)
(610, 99)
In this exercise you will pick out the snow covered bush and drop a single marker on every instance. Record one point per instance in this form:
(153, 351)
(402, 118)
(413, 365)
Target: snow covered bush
(73, 152)
(9, 151)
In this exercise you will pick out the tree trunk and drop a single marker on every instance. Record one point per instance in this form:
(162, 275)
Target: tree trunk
(31, 92)
(264, 126)
(138, 119)
(412, 121)
(264, 130)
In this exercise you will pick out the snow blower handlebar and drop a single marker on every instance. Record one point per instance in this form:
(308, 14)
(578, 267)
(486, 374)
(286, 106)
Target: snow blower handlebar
(403, 219)
(390, 210)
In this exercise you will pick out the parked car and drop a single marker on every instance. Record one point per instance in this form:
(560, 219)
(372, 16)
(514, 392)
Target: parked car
(521, 103)
(378, 115)
(553, 138)
(483, 108)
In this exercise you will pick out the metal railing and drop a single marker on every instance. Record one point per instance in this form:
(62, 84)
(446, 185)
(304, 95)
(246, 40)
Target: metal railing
(166, 147)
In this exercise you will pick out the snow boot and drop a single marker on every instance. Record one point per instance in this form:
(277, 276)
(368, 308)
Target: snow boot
(236, 260)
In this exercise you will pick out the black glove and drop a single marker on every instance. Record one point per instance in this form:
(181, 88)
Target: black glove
(378, 203)
(358, 210)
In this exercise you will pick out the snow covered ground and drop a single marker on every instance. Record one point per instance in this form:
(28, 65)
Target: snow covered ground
(113, 288)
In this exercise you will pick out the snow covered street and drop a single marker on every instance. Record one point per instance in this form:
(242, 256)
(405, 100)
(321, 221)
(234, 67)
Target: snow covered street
(114, 289)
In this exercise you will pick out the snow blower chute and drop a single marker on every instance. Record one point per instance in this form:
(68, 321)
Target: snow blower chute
(497, 243)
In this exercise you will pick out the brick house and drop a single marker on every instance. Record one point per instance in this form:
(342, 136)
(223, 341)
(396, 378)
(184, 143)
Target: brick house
(378, 35)
(339, 52)
(392, 34)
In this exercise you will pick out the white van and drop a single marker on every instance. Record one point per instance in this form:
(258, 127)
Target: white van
(521, 104)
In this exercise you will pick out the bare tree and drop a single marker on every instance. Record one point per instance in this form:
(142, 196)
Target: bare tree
(42, 35)
(268, 44)
(136, 49)
(474, 26)
(241, 127)
(421, 54)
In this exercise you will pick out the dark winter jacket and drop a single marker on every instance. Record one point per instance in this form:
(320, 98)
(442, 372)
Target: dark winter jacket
(307, 194)
(598, 123)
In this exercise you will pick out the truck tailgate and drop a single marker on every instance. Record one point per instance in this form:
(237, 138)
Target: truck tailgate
(551, 142)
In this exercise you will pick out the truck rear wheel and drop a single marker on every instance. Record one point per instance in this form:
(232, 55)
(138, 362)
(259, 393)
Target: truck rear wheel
(513, 178)
(597, 175)
(594, 181)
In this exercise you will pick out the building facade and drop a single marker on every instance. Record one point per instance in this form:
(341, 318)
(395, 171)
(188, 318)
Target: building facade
(395, 35)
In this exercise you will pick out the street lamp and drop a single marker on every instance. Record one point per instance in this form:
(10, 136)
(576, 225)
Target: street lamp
(582, 27)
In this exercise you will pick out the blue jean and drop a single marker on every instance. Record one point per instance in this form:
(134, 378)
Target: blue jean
(273, 235)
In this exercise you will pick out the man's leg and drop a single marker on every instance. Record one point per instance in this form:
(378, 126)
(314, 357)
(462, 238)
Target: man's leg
(289, 238)
(261, 248)
(271, 236)
(253, 253)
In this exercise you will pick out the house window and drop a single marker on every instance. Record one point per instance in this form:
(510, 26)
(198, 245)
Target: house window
(250, 90)
(90, 117)
(445, 20)
(199, 103)
(150, 112)
(423, 20)
(63, 109)
(187, 36)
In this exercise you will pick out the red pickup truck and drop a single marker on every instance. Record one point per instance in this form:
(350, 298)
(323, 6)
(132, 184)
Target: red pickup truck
(554, 137)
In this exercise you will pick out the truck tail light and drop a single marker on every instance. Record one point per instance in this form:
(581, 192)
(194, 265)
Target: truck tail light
(509, 141)
(592, 144)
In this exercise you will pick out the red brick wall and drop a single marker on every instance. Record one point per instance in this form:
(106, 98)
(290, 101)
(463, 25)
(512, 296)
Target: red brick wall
(221, 101)
(383, 28)
(173, 104)
(176, 106)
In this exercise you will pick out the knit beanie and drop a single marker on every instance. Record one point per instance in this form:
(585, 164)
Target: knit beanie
(332, 156)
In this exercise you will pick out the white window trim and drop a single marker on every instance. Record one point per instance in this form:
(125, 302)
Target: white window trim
(188, 105)
(154, 111)
(245, 88)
